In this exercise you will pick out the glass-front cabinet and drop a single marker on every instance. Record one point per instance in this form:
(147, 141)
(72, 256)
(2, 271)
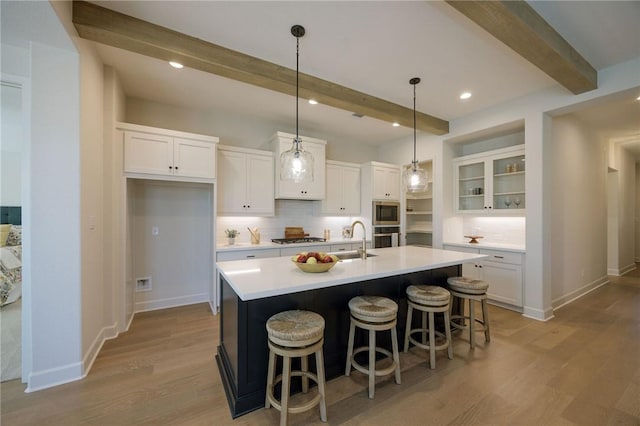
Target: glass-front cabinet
(491, 181)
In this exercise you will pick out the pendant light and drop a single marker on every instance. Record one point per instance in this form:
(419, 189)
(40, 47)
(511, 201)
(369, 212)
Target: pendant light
(296, 164)
(415, 178)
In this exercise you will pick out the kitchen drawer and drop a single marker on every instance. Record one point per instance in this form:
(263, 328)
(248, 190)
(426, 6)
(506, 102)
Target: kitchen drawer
(246, 254)
(290, 251)
(343, 247)
(503, 256)
(461, 249)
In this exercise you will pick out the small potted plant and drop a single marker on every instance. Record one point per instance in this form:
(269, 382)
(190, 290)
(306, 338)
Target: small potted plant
(231, 235)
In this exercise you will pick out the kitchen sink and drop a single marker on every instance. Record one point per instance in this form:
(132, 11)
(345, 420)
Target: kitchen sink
(344, 255)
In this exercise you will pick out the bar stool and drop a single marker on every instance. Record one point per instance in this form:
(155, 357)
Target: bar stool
(294, 334)
(472, 290)
(429, 300)
(373, 313)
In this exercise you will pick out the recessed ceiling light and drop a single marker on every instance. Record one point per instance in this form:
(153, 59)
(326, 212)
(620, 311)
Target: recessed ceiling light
(313, 102)
(396, 124)
(175, 64)
(465, 95)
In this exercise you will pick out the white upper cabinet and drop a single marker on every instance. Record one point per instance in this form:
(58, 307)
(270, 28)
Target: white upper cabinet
(493, 181)
(314, 190)
(343, 189)
(245, 182)
(151, 152)
(385, 180)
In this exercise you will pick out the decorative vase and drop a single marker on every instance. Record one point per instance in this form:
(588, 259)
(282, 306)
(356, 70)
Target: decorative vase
(231, 240)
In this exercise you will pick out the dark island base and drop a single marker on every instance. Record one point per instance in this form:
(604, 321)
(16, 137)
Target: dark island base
(243, 353)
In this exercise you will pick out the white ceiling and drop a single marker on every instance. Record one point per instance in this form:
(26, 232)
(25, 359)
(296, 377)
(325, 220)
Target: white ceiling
(371, 46)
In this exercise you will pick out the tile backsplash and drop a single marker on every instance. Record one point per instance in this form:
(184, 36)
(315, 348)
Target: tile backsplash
(288, 213)
(507, 230)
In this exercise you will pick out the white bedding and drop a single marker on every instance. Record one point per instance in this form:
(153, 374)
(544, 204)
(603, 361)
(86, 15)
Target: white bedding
(10, 274)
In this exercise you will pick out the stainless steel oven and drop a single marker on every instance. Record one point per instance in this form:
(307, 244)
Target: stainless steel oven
(386, 213)
(386, 236)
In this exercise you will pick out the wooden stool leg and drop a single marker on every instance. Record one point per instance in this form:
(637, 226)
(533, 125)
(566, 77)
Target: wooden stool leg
(472, 324)
(320, 370)
(396, 355)
(372, 363)
(286, 385)
(407, 330)
(424, 328)
(432, 341)
(352, 330)
(304, 366)
(485, 319)
(272, 366)
(447, 331)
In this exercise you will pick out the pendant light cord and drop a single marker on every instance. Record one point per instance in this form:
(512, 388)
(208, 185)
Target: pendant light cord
(297, 85)
(414, 127)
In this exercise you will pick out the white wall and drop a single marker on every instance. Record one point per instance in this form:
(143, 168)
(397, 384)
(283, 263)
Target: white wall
(628, 191)
(233, 129)
(94, 322)
(179, 257)
(11, 145)
(579, 206)
(55, 205)
(637, 214)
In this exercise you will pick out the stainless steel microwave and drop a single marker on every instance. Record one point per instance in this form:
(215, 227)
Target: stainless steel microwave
(386, 213)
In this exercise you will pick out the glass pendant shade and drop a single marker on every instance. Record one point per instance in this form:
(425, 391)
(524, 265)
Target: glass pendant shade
(416, 179)
(296, 164)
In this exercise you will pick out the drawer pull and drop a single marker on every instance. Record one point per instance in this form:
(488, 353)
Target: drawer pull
(251, 256)
(499, 257)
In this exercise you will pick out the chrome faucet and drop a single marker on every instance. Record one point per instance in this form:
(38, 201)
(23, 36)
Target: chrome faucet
(363, 250)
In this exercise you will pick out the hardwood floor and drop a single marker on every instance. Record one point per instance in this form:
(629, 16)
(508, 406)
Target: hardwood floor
(581, 368)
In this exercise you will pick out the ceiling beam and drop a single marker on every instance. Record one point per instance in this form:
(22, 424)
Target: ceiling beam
(125, 32)
(520, 27)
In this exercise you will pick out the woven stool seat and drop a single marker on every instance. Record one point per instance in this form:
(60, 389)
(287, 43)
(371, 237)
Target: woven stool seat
(467, 285)
(295, 326)
(295, 334)
(373, 313)
(373, 307)
(428, 294)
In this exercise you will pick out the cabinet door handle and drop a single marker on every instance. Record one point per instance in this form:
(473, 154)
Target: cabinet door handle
(248, 206)
(176, 167)
(170, 167)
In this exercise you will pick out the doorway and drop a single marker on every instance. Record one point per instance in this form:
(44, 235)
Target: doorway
(11, 154)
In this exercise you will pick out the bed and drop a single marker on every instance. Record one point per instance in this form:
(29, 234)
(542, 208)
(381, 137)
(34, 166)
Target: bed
(10, 255)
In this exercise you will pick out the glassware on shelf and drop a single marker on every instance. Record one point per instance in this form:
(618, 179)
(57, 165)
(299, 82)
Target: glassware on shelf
(507, 202)
(517, 202)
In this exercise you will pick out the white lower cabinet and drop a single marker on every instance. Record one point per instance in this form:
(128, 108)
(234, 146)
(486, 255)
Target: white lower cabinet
(290, 251)
(223, 256)
(503, 271)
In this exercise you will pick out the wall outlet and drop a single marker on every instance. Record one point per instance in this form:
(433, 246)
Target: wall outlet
(143, 284)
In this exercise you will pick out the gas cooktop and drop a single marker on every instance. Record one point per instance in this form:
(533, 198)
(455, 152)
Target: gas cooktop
(298, 240)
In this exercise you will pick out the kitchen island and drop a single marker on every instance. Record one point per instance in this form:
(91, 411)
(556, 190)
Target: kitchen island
(254, 290)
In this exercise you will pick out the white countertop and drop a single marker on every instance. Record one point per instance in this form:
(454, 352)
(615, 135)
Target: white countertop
(269, 245)
(519, 248)
(258, 278)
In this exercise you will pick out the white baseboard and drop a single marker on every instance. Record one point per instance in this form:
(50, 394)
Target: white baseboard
(53, 377)
(90, 356)
(538, 314)
(628, 268)
(171, 302)
(576, 294)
